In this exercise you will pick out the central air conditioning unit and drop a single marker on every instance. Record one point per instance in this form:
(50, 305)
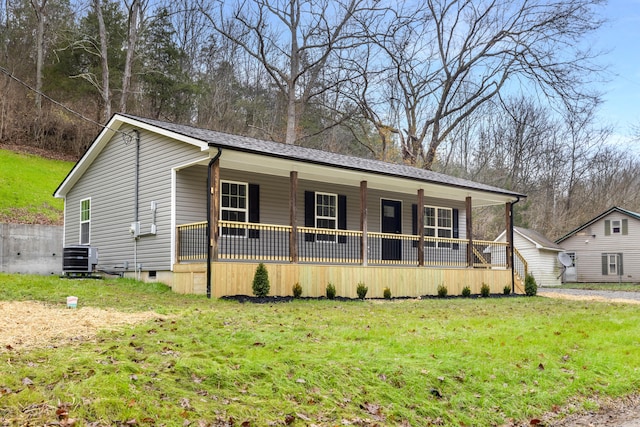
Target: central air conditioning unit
(79, 259)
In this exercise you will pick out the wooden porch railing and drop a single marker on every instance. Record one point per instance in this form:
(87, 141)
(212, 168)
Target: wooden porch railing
(267, 242)
(521, 267)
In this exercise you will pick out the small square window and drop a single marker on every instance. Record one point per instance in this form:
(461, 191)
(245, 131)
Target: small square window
(615, 226)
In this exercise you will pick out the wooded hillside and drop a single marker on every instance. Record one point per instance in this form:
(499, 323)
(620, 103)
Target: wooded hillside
(497, 92)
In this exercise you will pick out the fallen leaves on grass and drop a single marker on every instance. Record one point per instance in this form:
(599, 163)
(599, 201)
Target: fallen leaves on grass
(28, 324)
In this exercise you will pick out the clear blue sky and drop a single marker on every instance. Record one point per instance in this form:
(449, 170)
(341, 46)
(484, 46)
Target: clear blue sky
(621, 36)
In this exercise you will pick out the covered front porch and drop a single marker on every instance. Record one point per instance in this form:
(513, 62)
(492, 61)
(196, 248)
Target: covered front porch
(219, 256)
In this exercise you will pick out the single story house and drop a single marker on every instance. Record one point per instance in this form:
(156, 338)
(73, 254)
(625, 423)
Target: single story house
(198, 210)
(604, 249)
(540, 254)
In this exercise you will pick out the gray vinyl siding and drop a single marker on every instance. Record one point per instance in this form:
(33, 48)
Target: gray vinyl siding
(191, 195)
(589, 250)
(109, 182)
(274, 201)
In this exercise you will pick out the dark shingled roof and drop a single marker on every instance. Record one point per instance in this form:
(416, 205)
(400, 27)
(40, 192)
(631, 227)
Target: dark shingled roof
(309, 155)
(538, 238)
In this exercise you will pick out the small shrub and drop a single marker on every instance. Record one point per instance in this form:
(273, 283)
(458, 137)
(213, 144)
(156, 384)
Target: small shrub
(442, 291)
(530, 285)
(331, 291)
(485, 290)
(297, 290)
(361, 290)
(386, 293)
(506, 290)
(466, 292)
(261, 281)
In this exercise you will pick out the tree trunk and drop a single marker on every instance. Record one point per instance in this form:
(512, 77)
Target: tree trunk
(39, 9)
(134, 11)
(104, 61)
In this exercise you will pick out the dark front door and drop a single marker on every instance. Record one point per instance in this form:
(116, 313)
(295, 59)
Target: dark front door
(392, 224)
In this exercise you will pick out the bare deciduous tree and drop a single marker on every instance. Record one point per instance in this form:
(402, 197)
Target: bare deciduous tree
(135, 11)
(294, 40)
(450, 57)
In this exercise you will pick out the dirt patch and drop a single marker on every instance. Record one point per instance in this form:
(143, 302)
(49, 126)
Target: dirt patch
(551, 294)
(622, 412)
(27, 324)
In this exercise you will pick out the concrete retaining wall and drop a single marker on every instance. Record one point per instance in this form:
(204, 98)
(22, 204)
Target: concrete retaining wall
(31, 249)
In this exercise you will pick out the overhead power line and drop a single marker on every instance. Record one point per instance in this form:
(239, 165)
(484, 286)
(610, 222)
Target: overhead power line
(58, 103)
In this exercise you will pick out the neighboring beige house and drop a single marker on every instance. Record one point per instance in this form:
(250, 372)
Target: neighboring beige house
(605, 249)
(540, 253)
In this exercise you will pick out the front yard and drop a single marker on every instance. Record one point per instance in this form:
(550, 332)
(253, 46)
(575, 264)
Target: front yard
(193, 361)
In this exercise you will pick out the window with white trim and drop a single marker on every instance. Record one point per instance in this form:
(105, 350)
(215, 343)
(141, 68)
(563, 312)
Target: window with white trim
(233, 206)
(85, 221)
(616, 226)
(612, 264)
(326, 215)
(438, 222)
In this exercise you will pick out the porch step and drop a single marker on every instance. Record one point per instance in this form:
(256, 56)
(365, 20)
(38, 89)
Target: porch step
(519, 284)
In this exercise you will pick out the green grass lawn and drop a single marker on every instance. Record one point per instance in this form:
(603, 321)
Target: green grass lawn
(26, 186)
(318, 362)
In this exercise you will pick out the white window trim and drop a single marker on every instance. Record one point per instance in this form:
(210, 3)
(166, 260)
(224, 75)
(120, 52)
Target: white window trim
(245, 210)
(614, 271)
(436, 227)
(613, 226)
(332, 238)
(82, 222)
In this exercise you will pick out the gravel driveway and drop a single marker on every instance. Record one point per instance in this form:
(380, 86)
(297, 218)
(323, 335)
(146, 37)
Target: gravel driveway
(584, 294)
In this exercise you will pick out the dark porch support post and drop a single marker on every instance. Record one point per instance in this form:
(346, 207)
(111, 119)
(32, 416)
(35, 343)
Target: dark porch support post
(364, 240)
(215, 209)
(509, 232)
(293, 202)
(469, 233)
(420, 226)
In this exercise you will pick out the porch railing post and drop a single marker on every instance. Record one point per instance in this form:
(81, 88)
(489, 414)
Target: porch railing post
(420, 225)
(364, 240)
(509, 223)
(469, 232)
(215, 209)
(178, 236)
(293, 202)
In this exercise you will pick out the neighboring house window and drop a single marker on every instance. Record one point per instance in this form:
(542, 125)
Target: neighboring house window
(616, 226)
(234, 206)
(612, 264)
(438, 222)
(85, 221)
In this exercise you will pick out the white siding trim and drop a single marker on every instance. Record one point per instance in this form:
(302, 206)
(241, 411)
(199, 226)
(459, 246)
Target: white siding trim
(172, 239)
(108, 134)
(64, 223)
(174, 197)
